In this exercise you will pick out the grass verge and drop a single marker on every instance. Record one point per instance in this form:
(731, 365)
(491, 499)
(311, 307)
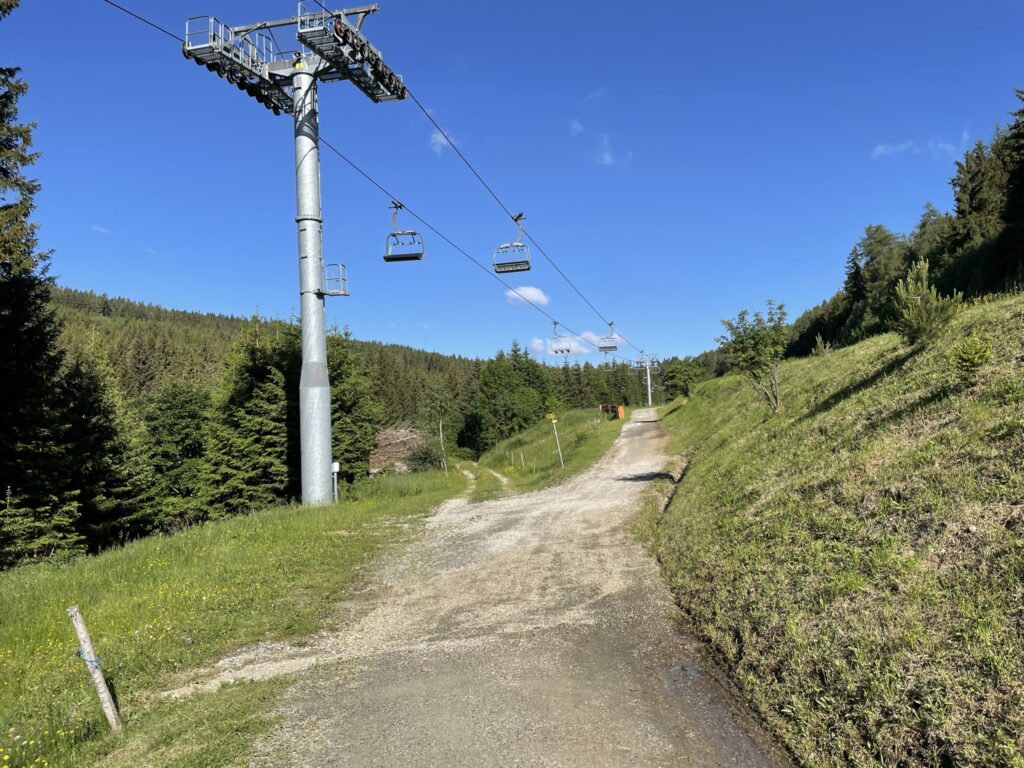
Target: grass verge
(530, 459)
(166, 604)
(857, 561)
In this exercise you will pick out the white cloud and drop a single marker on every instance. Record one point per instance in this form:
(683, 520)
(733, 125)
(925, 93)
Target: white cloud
(575, 127)
(524, 293)
(98, 229)
(603, 155)
(887, 150)
(597, 94)
(935, 147)
(938, 147)
(438, 142)
(151, 252)
(577, 346)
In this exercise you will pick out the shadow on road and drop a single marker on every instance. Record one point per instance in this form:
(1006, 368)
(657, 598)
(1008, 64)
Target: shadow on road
(644, 477)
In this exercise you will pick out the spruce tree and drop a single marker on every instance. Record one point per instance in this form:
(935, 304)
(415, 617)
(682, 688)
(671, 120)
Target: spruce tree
(1013, 211)
(124, 484)
(355, 415)
(174, 419)
(39, 509)
(245, 460)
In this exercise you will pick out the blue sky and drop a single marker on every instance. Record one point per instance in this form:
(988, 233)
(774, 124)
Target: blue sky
(679, 162)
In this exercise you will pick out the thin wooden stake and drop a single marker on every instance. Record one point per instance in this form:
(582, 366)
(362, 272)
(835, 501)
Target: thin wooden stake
(444, 456)
(92, 663)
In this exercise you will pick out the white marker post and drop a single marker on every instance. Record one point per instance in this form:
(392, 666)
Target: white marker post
(92, 663)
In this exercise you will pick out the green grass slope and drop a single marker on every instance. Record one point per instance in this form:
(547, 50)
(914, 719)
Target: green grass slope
(166, 604)
(857, 560)
(530, 459)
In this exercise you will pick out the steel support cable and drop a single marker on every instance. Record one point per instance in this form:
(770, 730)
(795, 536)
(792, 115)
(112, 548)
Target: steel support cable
(412, 213)
(453, 244)
(508, 212)
(144, 20)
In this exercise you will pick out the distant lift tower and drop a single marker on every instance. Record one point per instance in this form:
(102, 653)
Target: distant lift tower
(331, 47)
(647, 363)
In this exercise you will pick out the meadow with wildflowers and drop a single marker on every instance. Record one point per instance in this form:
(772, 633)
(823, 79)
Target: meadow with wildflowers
(162, 605)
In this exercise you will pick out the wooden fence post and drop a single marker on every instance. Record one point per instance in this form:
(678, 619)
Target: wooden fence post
(92, 663)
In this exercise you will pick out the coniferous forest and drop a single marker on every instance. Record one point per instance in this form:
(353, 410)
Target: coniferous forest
(976, 249)
(157, 419)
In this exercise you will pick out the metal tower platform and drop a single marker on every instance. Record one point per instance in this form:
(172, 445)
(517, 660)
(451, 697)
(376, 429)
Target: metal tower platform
(348, 55)
(243, 59)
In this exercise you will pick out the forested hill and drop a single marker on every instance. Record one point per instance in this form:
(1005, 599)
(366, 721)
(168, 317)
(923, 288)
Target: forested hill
(124, 419)
(974, 250)
(150, 346)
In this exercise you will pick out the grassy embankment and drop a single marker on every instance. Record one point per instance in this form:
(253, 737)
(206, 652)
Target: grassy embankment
(857, 561)
(530, 459)
(167, 604)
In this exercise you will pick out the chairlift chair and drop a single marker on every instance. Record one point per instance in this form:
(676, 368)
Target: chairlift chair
(560, 343)
(514, 256)
(402, 244)
(609, 343)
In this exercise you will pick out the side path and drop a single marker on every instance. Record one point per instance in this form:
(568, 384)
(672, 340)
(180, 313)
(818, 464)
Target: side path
(527, 630)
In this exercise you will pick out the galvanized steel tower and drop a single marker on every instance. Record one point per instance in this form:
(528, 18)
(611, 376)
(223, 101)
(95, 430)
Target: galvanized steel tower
(331, 48)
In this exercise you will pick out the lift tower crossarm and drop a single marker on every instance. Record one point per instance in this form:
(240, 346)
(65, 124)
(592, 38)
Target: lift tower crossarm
(361, 12)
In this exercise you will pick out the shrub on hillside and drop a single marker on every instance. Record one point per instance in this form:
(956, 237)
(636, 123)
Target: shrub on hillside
(755, 346)
(426, 456)
(967, 357)
(920, 311)
(822, 348)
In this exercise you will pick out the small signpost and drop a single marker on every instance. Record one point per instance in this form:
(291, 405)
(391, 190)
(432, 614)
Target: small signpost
(335, 469)
(558, 445)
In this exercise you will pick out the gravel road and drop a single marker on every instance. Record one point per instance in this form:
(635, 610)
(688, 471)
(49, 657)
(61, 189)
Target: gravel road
(530, 630)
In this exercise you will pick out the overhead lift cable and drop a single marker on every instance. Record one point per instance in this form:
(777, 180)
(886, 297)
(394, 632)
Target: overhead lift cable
(412, 213)
(508, 212)
(145, 21)
(455, 245)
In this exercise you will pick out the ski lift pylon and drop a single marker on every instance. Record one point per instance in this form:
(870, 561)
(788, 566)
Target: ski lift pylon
(402, 244)
(560, 343)
(514, 256)
(609, 343)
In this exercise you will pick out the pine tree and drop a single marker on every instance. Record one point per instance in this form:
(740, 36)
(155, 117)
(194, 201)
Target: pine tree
(922, 312)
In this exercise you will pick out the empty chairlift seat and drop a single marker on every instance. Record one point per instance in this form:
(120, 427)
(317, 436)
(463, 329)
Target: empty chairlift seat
(514, 256)
(609, 343)
(402, 244)
(560, 343)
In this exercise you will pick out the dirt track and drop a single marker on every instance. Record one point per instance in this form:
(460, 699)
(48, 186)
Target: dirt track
(528, 630)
